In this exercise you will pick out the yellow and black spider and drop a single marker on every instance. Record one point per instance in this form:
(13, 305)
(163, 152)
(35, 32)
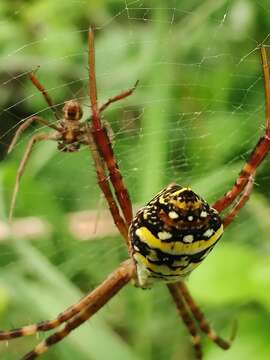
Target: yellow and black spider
(167, 239)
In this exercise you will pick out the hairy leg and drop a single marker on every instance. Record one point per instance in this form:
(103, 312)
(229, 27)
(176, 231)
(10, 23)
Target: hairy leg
(240, 203)
(105, 187)
(21, 168)
(118, 97)
(102, 140)
(25, 125)
(99, 297)
(44, 92)
(202, 322)
(187, 319)
(258, 154)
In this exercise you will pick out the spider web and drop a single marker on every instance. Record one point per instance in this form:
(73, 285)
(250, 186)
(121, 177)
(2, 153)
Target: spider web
(195, 116)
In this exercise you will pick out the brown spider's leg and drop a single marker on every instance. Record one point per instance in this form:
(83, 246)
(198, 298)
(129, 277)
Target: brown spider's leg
(105, 187)
(63, 317)
(20, 171)
(102, 140)
(187, 319)
(25, 125)
(259, 152)
(203, 324)
(44, 92)
(118, 97)
(99, 297)
(240, 203)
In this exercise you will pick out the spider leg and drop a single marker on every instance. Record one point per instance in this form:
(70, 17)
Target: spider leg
(43, 326)
(25, 125)
(20, 171)
(118, 97)
(266, 77)
(203, 324)
(240, 203)
(99, 297)
(44, 92)
(105, 187)
(259, 152)
(187, 319)
(103, 142)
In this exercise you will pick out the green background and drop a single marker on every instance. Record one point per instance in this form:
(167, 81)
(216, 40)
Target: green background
(194, 118)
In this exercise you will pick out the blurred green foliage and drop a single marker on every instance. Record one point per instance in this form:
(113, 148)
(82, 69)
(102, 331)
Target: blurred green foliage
(197, 112)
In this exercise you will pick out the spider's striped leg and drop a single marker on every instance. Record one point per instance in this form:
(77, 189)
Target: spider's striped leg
(240, 203)
(44, 92)
(104, 146)
(102, 140)
(20, 171)
(246, 175)
(259, 152)
(203, 324)
(187, 319)
(105, 187)
(99, 297)
(25, 125)
(50, 324)
(118, 97)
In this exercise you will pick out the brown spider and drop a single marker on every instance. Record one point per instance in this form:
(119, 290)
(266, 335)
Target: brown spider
(69, 132)
(166, 239)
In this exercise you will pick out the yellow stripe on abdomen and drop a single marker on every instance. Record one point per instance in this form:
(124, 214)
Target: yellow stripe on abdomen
(177, 247)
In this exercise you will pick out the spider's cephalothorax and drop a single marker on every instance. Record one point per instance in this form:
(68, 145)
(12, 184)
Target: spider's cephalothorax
(172, 234)
(71, 134)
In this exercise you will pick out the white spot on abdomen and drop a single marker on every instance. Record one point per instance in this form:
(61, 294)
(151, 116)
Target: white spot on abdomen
(164, 235)
(203, 214)
(188, 238)
(208, 233)
(173, 215)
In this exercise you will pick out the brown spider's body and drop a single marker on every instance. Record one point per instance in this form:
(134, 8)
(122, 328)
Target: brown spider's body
(69, 132)
(166, 239)
(72, 133)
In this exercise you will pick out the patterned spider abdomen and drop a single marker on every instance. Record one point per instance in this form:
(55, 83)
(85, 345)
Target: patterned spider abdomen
(172, 234)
